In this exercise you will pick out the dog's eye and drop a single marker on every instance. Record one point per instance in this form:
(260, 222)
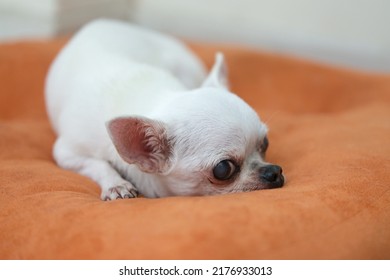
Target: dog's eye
(224, 170)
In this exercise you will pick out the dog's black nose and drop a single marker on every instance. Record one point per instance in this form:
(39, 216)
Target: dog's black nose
(271, 176)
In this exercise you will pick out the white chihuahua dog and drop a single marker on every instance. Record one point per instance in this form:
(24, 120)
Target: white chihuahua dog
(134, 111)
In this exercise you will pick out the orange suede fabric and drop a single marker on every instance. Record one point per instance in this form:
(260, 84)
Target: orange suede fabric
(329, 130)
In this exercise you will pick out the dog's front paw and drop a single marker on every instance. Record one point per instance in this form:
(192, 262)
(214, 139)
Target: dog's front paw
(126, 190)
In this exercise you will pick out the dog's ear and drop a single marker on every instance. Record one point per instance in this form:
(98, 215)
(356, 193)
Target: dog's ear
(142, 141)
(218, 74)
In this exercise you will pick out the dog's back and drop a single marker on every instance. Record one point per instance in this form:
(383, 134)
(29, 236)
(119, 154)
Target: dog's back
(141, 45)
(104, 50)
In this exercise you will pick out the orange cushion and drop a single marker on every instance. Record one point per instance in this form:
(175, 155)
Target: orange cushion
(329, 130)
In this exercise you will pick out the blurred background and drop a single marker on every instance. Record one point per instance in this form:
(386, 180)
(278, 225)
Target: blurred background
(346, 33)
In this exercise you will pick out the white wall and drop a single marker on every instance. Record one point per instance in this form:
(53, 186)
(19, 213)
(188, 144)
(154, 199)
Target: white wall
(352, 33)
(348, 32)
(44, 18)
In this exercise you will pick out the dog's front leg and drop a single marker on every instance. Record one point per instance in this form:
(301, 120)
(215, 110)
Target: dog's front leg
(112, 184)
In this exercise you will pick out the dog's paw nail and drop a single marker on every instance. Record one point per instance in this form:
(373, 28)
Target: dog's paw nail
(133, 193)
(121, 192)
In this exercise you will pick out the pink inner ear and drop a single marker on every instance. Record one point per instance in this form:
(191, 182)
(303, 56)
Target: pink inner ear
(141, 141)
(127, 135)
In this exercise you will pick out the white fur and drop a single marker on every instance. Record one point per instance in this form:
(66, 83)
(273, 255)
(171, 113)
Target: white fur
(111, 70)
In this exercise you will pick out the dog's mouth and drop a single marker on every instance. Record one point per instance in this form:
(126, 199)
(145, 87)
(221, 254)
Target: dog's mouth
(278, 182)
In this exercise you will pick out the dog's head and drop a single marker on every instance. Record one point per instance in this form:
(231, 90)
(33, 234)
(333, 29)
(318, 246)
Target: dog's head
(206, 141)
